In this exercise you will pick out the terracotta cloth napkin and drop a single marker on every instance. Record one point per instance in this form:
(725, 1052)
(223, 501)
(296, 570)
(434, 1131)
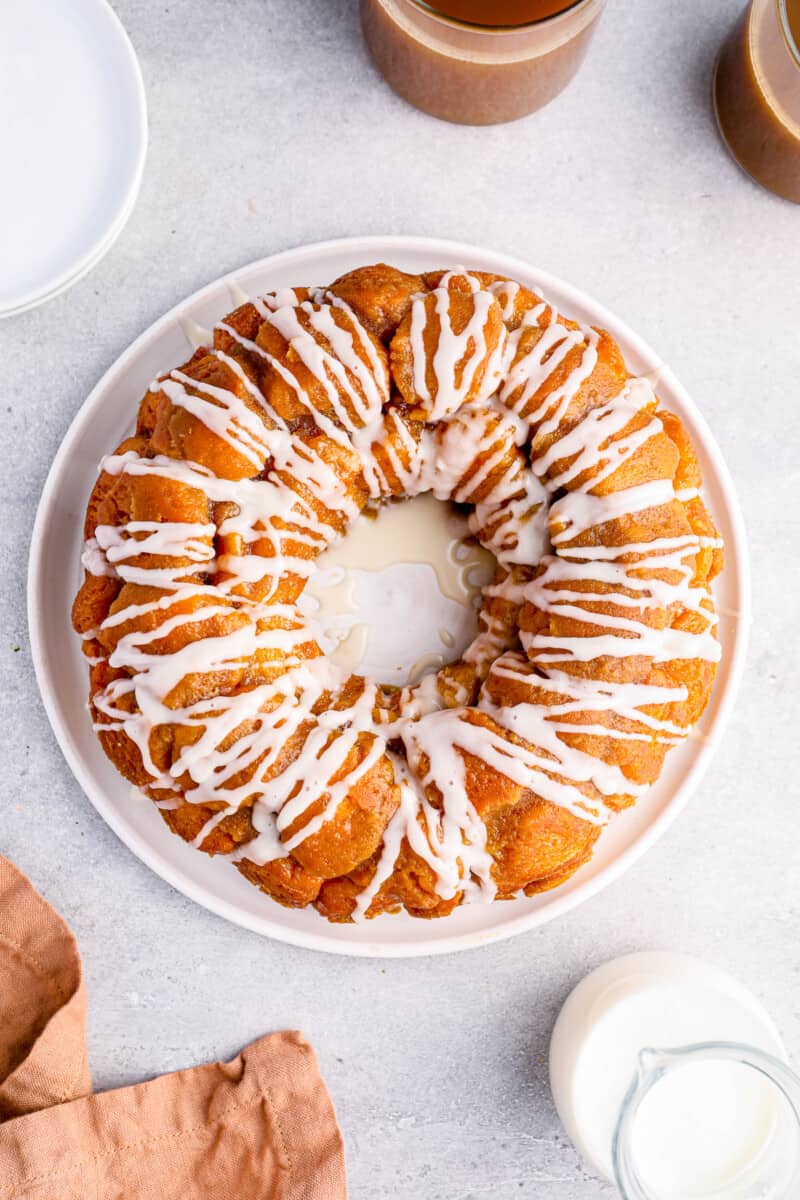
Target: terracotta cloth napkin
(261, 1126)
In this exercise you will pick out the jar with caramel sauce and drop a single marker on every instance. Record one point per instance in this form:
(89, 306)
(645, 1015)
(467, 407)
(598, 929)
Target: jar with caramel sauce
(757, 94)
(479, 62)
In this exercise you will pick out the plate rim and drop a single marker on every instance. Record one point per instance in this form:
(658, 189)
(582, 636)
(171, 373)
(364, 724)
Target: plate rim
(326, 940)
(108, 235)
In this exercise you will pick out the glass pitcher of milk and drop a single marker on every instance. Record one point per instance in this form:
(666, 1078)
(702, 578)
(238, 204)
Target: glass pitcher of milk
(713, 1121)
(713, 1116)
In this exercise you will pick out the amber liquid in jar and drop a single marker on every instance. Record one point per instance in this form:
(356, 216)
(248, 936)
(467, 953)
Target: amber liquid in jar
(501, 12)
(478, 62)
(757, 94)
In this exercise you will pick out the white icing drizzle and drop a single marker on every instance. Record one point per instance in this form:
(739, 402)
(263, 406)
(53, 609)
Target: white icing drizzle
(196, 335)
(505, 292)
(593, 444)
(357, 390)
(424, 664)
(352, 647)
(457, 357)
(557, 766)
(237, 293)
(529, 367)
(220, 587)
(221, 411)
(623, 635)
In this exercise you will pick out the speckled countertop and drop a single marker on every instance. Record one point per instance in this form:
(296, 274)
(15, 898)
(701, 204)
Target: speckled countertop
(270, 128)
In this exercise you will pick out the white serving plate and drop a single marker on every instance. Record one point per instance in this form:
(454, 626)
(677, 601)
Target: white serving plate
(74, 141)
(54, 573)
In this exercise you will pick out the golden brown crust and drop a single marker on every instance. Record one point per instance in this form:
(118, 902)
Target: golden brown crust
(535, 839)
(379, 295)
(460, 312)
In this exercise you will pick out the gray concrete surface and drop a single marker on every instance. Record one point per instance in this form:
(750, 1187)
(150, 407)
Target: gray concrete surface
(269, 128)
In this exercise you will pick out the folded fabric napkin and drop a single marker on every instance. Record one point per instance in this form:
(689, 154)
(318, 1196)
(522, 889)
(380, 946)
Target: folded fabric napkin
(260, 1126)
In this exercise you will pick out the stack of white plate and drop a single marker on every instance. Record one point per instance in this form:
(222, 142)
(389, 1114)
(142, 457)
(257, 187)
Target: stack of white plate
(73, 138)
